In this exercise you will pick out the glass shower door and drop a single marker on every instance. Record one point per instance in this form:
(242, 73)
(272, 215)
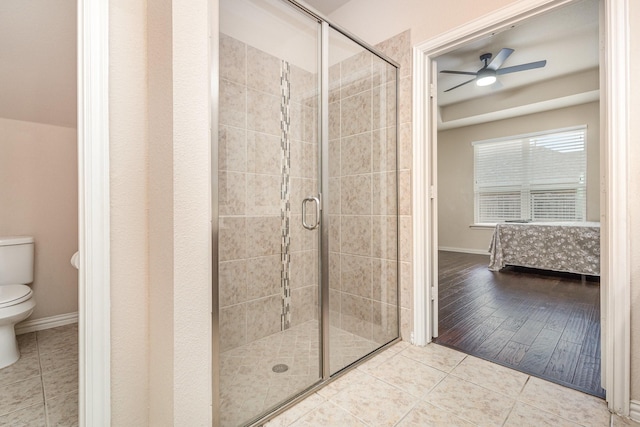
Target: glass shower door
(268, 164)
(363, 208)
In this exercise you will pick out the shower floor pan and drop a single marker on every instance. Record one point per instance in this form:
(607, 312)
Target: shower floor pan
(249, 384)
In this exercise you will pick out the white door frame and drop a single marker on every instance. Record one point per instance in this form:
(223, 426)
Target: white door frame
(615, 262)
(93, 214)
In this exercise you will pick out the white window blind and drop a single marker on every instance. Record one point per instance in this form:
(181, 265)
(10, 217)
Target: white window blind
(537, 177)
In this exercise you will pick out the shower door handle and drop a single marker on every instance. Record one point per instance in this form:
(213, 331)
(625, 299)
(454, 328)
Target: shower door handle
(304, 213)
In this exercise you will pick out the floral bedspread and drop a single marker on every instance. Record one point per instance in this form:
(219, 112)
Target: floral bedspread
(568, 247)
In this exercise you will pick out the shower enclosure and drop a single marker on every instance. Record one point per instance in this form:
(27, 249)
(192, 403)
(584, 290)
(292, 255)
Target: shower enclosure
(305, 206)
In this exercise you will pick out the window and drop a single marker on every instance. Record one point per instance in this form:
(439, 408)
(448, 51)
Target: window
(537, 177)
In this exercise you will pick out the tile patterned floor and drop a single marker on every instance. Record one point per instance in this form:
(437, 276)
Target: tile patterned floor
(248, 385)
(437, 386)
(41, 389)
(403, 386)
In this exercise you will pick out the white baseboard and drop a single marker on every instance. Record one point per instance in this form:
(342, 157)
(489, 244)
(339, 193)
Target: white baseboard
(634, 410)
(464, 250)
(46, 323)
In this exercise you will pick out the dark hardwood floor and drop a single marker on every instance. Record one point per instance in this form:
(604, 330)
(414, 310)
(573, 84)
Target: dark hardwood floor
(542, 323)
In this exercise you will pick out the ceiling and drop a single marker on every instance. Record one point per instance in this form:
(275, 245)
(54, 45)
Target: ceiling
(38, 61)
(325, 6)
(38, 66)
(567, 38)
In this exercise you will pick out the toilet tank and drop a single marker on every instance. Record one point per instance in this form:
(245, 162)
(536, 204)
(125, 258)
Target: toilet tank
(16, 260)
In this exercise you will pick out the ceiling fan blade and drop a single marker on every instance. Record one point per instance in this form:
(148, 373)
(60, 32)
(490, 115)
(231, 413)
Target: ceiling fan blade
(466, 73)
(521, 67)
(461, 84)
(500, 58)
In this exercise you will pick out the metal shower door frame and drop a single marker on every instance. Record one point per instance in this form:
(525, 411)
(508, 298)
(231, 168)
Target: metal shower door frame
(323, 167)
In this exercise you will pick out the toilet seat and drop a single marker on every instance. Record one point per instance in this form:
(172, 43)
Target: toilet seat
(14, 294)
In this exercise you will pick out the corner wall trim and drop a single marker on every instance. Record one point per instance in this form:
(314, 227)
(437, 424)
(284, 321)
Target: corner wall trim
(616, 333)
(46, 323)
(94, 274)
(634, 410)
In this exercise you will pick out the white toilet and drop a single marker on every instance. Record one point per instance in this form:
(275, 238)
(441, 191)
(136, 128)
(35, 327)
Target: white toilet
(16, 302)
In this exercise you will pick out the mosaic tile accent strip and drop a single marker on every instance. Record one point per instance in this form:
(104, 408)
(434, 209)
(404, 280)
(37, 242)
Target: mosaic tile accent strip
(285, 193)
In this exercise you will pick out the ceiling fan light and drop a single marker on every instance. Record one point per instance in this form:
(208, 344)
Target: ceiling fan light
(486, 80)
(486, 77)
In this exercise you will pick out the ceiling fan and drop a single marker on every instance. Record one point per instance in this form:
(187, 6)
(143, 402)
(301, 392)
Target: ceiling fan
(487, 74)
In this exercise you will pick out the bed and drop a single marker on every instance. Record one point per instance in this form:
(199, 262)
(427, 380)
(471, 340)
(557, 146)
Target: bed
(562, 246)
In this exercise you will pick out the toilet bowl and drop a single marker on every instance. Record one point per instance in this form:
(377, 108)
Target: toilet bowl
(16, 298)
(12, 312)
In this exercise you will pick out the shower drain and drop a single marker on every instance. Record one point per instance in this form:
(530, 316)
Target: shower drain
(280, 368)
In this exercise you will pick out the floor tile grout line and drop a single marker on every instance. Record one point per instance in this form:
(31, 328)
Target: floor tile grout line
(22, 409)
(513, 405)
(44, 395)
(546, 410)
(485, 387)
(451, 374)
(407, 414)
(420, 398)
(457, 415)
(38, 354)
(348, 411)
(417, 399)
(523, 387)
(434, 367)
(515, 401)
(424, 398)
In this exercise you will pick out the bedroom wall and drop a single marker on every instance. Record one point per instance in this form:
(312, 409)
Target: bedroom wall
(455, 169)
(39, 194)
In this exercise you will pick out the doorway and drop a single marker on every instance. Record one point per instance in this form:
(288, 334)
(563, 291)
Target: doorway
(615, 307)
(517, 150)
(38, 163)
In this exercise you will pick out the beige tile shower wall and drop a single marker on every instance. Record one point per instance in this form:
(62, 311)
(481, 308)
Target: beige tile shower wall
(304, 183)
(39, 197)
(250, 173)
(399, 49)
(363, 197)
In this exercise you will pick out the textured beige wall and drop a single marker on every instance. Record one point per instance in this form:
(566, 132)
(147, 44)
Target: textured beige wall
(455, 169)
(38, 42)
(192, 215)
(176, 186)
(161, 218)
(165, 168)
(129, 225)
(39, 194)
(634, 198)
